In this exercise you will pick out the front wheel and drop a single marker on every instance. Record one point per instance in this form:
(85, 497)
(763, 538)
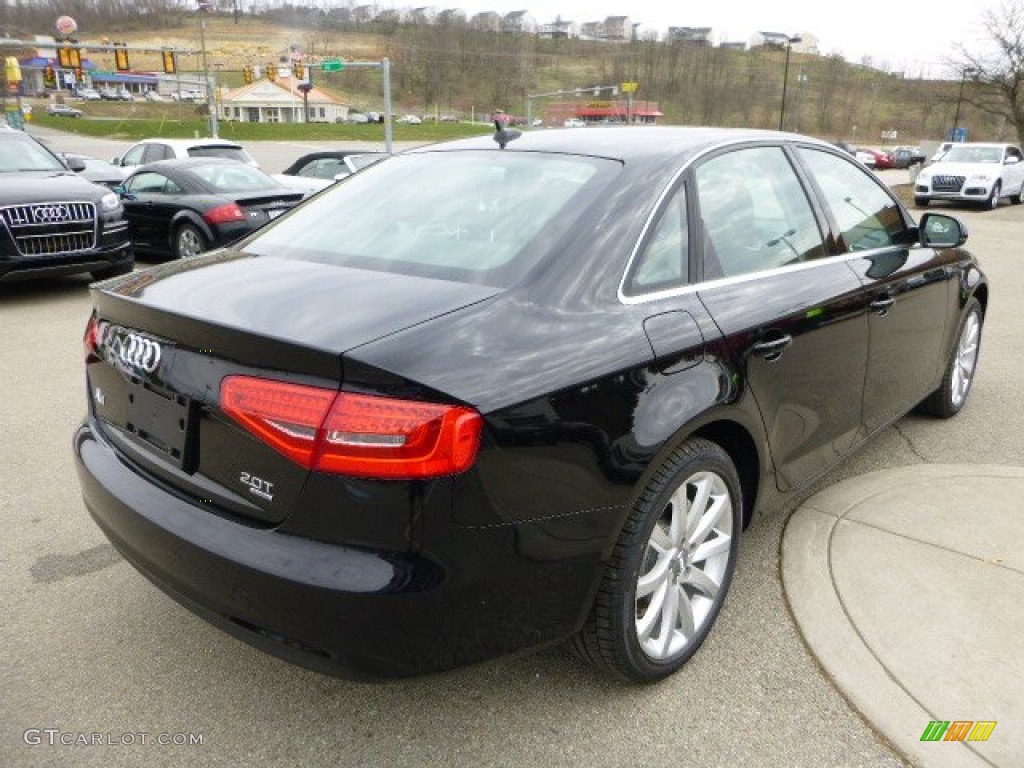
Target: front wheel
(188, 241)
(668, 575)
(993, 199)
(950, 397)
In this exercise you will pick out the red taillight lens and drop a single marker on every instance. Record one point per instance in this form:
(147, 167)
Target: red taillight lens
(90, 342)
(223, 214)
(353, 434)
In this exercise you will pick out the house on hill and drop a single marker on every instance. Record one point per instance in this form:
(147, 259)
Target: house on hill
(281, 101)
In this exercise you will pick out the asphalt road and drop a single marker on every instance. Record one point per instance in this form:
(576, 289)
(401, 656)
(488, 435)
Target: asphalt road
(90, 647)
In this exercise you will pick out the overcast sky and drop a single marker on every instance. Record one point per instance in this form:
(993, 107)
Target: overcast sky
(906, 35)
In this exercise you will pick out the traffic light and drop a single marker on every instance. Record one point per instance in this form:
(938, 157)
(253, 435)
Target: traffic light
(12, 69)
(300, 71)
(79, 75)
(49, 78)
(247, 74)
(170, 65)
(272, 72)
(121, 57)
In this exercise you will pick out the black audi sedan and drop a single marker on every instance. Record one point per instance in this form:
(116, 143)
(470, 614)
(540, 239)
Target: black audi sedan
(185, 206)
(494, 394)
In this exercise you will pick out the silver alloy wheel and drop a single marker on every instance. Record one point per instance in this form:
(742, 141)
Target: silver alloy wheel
(685, 563)
(993, 199)
(190, 242)
(966, 359)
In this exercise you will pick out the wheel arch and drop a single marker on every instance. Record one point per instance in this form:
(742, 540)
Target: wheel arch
(739, 445)
(187, 217)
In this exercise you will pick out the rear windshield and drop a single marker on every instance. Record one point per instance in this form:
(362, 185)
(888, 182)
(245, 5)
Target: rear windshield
(481, 217)
(231, 153)
(232, 177)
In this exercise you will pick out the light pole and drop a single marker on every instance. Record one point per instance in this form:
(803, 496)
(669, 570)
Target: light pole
(785, 78)
(211, 105)
(959, 99)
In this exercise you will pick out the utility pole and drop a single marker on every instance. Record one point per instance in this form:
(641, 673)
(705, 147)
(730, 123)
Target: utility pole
(211, 103)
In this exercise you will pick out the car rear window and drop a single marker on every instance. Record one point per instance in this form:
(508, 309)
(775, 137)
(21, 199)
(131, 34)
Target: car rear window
(232, 177)
(230, 153)
(483, 217)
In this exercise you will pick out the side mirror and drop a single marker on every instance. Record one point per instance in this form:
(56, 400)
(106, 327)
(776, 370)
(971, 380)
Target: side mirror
(75, 164)
(940, 231)
(116, 160)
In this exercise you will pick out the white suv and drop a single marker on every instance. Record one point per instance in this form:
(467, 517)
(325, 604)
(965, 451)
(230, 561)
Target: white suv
(973, 172)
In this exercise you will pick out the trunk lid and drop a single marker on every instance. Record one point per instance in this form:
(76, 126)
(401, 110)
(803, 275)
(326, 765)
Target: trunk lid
(166, 337)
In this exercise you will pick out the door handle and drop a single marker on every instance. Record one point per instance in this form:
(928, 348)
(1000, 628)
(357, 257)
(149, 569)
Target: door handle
(882, 305)
(772, 350)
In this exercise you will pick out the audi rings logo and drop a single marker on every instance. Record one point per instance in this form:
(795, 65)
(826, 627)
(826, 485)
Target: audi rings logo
(137, 352)
(50, 213)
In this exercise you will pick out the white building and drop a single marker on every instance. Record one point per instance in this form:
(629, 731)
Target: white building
(266, 101)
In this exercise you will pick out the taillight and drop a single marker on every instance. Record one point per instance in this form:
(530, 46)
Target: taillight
(91, 340)
(354, 434)
(223, 214)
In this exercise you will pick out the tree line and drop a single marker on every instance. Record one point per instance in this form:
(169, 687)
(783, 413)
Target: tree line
(450, 65)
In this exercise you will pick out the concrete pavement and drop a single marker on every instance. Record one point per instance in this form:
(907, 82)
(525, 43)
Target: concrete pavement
(907, 586)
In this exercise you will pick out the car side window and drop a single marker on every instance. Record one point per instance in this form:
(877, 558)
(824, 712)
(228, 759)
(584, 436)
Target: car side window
(147, 183)
(156, 152)
(323, 168)
(133, 156)
(866, 214)
(755, 213)
(663, 262)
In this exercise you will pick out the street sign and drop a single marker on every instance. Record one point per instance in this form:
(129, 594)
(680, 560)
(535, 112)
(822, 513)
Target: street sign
(332, 65)
(629, 87)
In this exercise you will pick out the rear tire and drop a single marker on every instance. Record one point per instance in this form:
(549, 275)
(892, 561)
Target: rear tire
(670, 570)
(188, 241)
(950, 397)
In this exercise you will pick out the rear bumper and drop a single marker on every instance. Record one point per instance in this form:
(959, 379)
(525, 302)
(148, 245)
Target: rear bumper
(344, 611)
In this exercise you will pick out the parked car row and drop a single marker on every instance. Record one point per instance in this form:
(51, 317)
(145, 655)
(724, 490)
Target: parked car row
(175, 197)
(883, 159)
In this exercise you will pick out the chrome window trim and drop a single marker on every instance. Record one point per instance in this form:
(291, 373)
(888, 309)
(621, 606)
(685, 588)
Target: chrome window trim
(749, 276)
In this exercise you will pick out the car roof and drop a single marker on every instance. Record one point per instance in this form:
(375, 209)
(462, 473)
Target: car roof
(625, 142)
(189, 162)
(340, 154)
(999, 144)
(186, 143)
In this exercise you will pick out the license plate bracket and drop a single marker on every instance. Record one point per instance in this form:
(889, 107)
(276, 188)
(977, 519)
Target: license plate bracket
(162, 422)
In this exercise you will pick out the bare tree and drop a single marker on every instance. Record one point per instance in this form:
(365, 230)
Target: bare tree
(997, 78)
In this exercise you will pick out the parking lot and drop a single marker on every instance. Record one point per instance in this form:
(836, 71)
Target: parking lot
(93, 649)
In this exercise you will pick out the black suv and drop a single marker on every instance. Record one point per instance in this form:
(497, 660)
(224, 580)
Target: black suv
(53, 221)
